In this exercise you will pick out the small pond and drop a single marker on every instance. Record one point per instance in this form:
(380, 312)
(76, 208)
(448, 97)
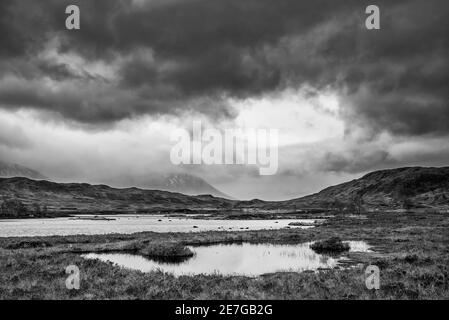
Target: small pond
(235, 259)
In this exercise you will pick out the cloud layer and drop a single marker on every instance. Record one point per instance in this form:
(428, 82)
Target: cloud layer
(164, 57)
(177, 59)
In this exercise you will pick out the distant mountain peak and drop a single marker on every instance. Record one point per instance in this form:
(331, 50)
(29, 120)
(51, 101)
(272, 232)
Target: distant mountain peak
(184, 183)
(190, 184)
(10, 170)
(174, 182)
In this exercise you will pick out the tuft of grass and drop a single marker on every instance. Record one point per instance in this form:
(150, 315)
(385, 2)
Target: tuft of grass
(166, 250)
(331, 245)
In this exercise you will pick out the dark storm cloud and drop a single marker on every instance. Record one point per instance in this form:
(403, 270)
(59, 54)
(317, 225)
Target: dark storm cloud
(177, 55)
(398, 79)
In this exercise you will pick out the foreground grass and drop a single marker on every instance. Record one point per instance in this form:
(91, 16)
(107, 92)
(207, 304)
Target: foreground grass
(411, 250)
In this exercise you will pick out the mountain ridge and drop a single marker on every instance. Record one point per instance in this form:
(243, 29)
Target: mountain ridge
(400, 188)
(404, 187)
(174, 182)
(84, 197)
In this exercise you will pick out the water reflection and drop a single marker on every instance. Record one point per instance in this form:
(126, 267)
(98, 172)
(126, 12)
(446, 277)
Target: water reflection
(235, 259)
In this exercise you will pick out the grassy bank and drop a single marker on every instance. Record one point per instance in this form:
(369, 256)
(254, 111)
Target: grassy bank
(411, 250)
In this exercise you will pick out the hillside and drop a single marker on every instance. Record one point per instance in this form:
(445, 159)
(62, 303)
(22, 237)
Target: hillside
(83, 197)
(409, 187)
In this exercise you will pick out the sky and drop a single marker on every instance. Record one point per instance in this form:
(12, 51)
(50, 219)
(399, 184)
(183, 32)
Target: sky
(100, 103)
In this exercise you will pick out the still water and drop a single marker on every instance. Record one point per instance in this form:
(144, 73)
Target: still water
(131, 224)
(235, 259)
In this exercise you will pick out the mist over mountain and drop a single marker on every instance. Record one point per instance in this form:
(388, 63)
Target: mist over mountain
(174, 182)
(9, 170)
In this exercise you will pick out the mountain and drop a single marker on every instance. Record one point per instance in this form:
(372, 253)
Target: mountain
(83, 197)
(186, 184)
(409, 187)
(412, 187)
(175, 182)
(9, 170)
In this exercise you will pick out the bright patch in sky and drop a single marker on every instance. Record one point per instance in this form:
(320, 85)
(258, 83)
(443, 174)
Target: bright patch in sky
(299, 119)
